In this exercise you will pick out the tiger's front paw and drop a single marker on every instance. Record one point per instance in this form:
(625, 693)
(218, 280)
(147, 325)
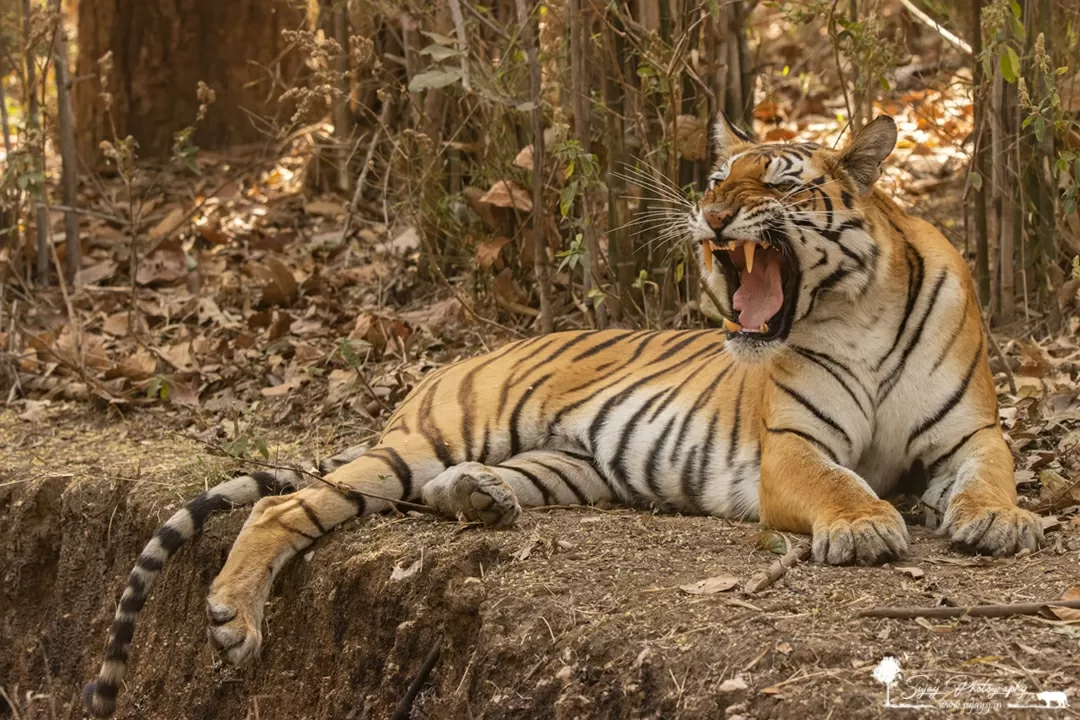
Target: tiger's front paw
(235, 629)
(867, 537)
(991, 530)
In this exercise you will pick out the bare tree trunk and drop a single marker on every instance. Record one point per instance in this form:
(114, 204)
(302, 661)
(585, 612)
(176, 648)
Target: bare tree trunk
(540, 252)
(67, 147)
(580, 23)
(1005, 158)
(620, 243)
(9, 230)
(997, 183)
(1045, 172)
(982, 248)
(34, 121)
(337, 25)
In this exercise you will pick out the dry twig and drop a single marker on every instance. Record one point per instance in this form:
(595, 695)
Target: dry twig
(402, 711)
(907, 613)
(778, 569)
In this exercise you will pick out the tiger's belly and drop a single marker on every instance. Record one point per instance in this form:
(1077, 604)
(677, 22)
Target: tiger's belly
(690, 444)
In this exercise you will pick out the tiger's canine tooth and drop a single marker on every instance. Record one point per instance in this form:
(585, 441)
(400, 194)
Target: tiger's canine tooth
(732, 327)
(706, 252)
(749, 249)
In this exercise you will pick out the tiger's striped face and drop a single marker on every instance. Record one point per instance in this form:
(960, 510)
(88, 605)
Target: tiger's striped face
(781, 232)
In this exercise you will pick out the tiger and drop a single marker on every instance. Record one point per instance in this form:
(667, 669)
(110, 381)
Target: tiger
(850, 358)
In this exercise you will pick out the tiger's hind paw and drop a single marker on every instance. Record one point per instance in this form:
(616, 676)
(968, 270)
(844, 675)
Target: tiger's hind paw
(996, 531)
(234, 633)
(474, 491)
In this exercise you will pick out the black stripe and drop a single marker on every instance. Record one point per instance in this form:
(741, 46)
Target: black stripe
(652, 464)
(132, 603)
(954, 336)
(915, 281)
(619, 465)
(819, 414)
(893, 377)
(204, 505)
(601, 346)
(358, 500)
(701, 401)
(733, 443)
(808, 437)
(545, 493)
(170, 539)
(602, 415)
(819, 359)
(522, 372)
(706, 462)
(515, 415)
(400, 467)
(686, 480)
(582, 498)
(267, 483)
(149, 563)
(103, 689)
(298, 531)
(311, 515)
(950, 403)
(600, 377)
(431, 432)
(465, 400)
(947, 455)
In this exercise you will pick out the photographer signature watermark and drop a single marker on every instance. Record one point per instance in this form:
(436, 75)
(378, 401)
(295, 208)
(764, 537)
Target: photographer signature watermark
(960, 692)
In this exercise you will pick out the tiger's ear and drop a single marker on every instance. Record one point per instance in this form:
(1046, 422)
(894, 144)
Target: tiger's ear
(727, 136)
(863, 156)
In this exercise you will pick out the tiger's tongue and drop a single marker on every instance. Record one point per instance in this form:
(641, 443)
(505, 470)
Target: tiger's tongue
(760, 294)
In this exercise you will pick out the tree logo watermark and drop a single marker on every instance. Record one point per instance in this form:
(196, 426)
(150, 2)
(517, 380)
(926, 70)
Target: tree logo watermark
(978, 695)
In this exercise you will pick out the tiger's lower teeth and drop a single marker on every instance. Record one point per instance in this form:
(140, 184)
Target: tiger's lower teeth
(732, 327)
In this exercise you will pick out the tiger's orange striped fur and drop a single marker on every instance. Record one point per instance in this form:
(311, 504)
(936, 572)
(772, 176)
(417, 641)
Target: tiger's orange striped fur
(853, 355)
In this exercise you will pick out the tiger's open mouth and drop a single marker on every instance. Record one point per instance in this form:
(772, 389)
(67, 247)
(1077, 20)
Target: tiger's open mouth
(763, 279)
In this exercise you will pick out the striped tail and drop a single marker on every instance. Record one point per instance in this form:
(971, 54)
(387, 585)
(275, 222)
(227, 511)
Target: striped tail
(100, 695)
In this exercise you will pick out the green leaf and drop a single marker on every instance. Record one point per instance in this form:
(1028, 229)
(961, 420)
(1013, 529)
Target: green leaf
(772, 541)
(1010, 65)
(1076, 169)
(434, 79)
(260, 445)
(1015, 8)
(440, 52)
(680, 270)
(566, 198)
(1018, 29)
(884, 82)
(976, 180)
(1027, 121)
(1070, 205)
(645, 71)
(1040, 128)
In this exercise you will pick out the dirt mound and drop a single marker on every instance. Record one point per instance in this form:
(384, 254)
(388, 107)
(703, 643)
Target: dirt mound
(573, 614)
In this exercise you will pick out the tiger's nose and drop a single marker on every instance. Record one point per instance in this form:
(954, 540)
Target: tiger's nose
(716, 217)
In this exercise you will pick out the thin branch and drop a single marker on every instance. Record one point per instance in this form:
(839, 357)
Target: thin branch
(908, 613)
(778, 569)
(998, 354)
(403, 709)
(934, 25)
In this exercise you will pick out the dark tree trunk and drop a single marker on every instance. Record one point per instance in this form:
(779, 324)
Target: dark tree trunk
(161, 49)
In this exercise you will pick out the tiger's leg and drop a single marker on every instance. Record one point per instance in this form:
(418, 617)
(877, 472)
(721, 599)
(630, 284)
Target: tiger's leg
(494, 494)
(976, 487)
(804, 491)
(280, 528)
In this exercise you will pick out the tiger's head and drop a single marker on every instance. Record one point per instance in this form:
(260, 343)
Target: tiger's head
(783, 231)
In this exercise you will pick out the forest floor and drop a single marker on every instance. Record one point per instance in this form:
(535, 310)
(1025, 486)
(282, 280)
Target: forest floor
(573, 613)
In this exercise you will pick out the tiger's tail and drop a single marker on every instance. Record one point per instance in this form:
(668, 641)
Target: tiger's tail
(99, 697)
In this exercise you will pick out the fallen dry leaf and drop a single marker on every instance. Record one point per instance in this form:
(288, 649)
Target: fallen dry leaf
(36, 411)
(325, 208)
(1071, 614)
(508, 194)
(168, 224)
(487, 252)
(711, 585)
(283, 389)
(279, 285)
